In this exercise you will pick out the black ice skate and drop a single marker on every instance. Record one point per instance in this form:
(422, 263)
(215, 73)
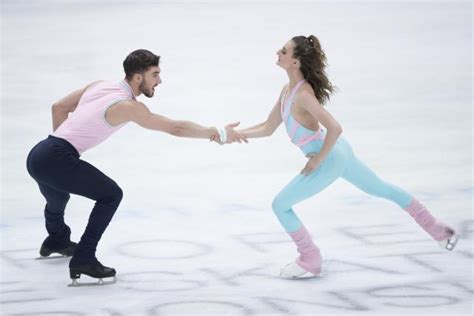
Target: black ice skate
(94, 270)
(46, 252)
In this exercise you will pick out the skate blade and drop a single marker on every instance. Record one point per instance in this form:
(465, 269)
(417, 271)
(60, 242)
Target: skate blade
(293, 272)
(305, 276)
(449, 243)
(52, 257)
(100, 282)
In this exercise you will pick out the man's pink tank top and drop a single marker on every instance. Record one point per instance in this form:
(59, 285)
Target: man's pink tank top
(86, 127)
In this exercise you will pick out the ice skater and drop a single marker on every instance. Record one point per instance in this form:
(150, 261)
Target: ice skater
(329, 155)
(82, 120)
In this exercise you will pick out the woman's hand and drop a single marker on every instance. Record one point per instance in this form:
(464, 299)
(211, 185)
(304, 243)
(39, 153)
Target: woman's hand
(232, 135)
(313, 163)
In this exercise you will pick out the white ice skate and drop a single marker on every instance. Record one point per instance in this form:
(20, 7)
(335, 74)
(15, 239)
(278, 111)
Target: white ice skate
(450, 242)
(293, 271)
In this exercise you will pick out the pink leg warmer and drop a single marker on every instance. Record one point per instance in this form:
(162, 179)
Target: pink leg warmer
(437, 229)
(310, 257)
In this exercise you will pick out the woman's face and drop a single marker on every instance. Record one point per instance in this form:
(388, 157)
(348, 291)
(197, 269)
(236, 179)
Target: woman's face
(285, 56)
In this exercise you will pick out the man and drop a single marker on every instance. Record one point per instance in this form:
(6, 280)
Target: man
(97, 111)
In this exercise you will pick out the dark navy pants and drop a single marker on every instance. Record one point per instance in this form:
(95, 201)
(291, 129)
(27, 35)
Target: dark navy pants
(55, 165)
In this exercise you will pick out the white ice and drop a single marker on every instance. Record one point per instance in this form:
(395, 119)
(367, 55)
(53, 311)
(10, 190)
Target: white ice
(195, 233)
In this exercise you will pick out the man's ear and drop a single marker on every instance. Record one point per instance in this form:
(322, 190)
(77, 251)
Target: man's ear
(138, 78)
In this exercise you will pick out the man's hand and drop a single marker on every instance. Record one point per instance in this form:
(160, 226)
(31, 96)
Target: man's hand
(313, 163)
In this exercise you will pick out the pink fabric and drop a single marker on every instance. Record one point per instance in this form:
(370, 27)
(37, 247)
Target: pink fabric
(286, 107)
(438, 230)
(86, 127)
(285, 114)
(310, 257)
(304, 140)
(282, 102)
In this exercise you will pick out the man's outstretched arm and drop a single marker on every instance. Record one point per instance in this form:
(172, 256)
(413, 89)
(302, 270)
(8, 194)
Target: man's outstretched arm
(140, 114)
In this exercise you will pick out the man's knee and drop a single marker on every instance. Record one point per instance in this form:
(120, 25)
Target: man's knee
(118, 193)
(113, 195)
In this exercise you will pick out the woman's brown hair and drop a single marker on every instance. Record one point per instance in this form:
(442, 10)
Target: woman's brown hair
(313, 66)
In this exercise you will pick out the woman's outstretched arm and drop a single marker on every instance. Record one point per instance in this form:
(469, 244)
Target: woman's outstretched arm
(266, 128)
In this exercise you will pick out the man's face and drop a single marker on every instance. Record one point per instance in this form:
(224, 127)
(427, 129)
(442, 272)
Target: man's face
(151, 78)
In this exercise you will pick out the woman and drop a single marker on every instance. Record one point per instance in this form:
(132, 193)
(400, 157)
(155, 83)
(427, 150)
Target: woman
(329, 155)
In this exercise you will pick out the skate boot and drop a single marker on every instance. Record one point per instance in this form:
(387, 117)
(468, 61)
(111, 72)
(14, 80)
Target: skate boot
(446, 236)
(48, 248)
(94, 270)
(294, 271)
(308, 264)
(450, 242)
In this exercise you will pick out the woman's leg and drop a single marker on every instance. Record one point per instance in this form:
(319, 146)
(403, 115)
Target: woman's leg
(365, 179)
(299, 189)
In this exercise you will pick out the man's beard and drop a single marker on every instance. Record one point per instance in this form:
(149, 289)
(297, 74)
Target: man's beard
(146, 93)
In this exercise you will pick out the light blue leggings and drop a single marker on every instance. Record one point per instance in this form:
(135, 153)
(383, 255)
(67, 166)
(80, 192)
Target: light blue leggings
(341, 162)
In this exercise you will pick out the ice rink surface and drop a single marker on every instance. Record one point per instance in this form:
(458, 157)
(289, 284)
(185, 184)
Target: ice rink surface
(195, 233)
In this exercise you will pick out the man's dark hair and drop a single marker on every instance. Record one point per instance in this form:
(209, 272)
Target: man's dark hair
(137, 62)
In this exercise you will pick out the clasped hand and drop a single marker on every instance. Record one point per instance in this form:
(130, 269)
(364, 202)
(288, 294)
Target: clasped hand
(232, 135)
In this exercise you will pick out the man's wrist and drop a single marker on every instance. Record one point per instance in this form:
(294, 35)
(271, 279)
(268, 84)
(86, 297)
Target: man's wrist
(223, 134)
(221, 131)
